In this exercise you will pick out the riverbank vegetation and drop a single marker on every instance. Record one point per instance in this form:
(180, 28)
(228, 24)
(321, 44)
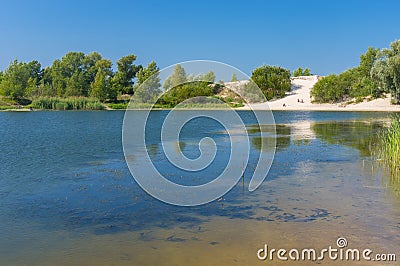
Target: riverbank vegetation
(377, 74)
(388, 150)
(88, 81)
(76, 81)
(180, 87)
(70, 103)
(77, 76)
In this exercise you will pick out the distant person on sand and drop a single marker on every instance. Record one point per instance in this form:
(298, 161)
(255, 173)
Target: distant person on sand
(284, 105)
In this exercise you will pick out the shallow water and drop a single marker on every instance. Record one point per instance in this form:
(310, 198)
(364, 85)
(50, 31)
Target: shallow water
(67, 196)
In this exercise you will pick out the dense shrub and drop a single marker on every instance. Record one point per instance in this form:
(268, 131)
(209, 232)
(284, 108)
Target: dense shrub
(353, 83)
(273, 81)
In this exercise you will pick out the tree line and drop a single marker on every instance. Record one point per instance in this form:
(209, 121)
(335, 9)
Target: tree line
(377, 74)
(76, 74)
(80, 75)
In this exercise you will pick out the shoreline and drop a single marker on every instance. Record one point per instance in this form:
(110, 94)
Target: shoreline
(298, 99)
(245, 108)
(323, 108)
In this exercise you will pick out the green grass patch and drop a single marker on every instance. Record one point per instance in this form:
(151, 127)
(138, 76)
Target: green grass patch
(118, 106)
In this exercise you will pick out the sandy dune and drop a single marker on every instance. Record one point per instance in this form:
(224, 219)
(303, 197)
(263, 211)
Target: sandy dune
(301, 87)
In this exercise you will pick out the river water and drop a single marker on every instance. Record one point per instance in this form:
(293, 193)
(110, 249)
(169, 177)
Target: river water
(68, 198)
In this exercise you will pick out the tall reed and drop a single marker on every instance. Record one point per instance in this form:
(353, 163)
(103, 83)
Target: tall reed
(71, 103)
(388, 151)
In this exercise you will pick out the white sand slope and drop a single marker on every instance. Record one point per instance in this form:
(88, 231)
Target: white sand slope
(301, 87)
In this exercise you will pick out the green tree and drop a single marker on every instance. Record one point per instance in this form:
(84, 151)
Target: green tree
(35, 76)
(180, 87)
(208, 77)
(31, 87)
(148, 83)
(146, 73)
(381, 76)
(357, 82)
(234, 77)
(72, 62)
(364, 87)
(298, 72)
(123, 80)
(101, 86)
(367, 61)
(104, 65)
(89, 66)
(328, 89)
(44, 87)
(14, 80)
(76, 74)
(386, 70)
(18, 77)
(35, 70)
(76, 85)
(272, 80)
(58, 78)
(177, 77)
(68, 77)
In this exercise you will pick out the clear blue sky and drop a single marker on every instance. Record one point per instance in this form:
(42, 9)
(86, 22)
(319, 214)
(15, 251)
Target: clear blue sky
(327, 36)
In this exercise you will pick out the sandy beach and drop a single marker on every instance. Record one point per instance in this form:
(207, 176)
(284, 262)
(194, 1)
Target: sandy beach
(301, 87)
